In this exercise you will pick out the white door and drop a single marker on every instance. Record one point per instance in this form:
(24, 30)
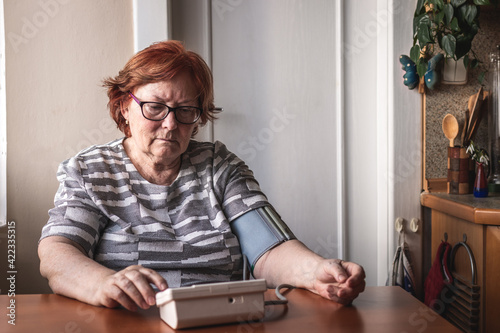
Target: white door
(274, 71)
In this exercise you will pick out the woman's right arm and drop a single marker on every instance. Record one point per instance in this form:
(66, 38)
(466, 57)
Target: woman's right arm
(72, 273)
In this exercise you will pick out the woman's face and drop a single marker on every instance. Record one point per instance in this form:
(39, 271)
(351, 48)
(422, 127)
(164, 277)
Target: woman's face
(163, 141)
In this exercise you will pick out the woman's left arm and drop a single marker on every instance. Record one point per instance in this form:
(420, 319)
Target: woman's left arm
(293, 263)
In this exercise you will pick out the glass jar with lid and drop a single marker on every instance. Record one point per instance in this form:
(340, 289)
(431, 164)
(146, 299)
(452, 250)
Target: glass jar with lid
(494, 120)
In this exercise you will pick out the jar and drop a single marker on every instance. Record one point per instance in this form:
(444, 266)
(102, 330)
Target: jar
(494, 121)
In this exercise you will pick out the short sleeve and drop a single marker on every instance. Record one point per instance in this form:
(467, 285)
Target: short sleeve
(74, 216)
(236, 183)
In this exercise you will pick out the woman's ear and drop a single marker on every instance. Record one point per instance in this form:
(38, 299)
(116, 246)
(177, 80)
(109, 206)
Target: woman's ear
(124, 110)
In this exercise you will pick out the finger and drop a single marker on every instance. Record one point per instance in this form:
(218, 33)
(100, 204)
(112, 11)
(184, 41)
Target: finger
(356, 274)
(136, 285)
(353, 268)
(342, 300)
(347, 289)
(156, 279)
(340, 295)
(143, 278)
(338, 291)
(336, 270)
(116, 296)
(152, 277)
(129, 289)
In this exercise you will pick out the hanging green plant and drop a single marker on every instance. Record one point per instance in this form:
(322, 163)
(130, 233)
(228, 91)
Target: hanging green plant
(450, 25)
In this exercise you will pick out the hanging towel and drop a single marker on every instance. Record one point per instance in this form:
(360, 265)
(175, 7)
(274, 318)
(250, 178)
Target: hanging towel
(439, 275)
(402, 272)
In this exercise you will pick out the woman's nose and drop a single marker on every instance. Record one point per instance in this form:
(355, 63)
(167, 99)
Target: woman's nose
(170, 122)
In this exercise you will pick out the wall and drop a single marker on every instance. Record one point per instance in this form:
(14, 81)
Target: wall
(405, 172)
(361, 136)
(383, 136)
(57, 53)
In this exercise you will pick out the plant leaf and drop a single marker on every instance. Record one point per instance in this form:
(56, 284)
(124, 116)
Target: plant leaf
(438, 18)
(424, 35)
(415, 53)
(474, 63)
(457, 3)
(425, 19)
(454, 24)
(466, 61)
(470, 13)
(417, 20)
(464, 45)
(448, 12)
(482, 2)
(439, 4)
(474, 28)
(460, 14)
(421, 67)
(449, 44)
(420, 8)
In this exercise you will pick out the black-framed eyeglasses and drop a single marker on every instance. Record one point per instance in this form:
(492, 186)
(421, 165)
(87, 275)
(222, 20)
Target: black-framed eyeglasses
(158, 111)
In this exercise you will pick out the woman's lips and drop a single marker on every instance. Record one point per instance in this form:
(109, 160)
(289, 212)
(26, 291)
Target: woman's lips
(167, 140)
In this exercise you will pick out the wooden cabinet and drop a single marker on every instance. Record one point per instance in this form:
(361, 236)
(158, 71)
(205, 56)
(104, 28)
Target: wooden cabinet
(479, 220)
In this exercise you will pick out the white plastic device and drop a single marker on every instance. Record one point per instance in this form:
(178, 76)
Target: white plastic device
(213, 303)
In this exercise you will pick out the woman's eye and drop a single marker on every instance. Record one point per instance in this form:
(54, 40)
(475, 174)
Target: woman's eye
(155, 107)
(183, 110)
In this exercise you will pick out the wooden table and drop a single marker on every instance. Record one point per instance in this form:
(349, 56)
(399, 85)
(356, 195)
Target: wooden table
(378, 309)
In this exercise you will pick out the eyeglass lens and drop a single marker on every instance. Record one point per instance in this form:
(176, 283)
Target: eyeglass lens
(183, 114)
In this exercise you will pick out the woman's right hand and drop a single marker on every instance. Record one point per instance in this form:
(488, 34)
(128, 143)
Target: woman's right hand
(66, 265)
(130, 288)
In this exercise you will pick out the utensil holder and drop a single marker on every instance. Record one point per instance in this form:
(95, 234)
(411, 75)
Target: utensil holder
(461, 173)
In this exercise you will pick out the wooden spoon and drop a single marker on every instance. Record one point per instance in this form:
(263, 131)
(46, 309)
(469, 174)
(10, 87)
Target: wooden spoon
(450, 128)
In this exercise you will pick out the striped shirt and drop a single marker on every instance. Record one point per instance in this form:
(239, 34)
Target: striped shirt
(182, 230)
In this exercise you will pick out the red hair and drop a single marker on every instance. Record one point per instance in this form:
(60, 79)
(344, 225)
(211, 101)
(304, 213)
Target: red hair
(160, 62)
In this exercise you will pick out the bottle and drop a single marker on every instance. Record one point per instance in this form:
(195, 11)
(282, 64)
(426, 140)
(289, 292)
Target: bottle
(494, 120)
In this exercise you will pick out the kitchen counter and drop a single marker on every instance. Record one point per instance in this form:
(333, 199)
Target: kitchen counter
(455, 217)
(467, 207)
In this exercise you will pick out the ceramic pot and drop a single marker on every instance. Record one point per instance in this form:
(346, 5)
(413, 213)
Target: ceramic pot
(480, 184)
(454, 72)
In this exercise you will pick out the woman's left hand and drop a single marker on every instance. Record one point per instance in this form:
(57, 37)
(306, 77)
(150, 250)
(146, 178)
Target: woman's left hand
(338, 280)
(293, 263)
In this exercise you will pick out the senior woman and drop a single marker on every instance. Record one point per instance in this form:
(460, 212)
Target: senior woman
(156, 208)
